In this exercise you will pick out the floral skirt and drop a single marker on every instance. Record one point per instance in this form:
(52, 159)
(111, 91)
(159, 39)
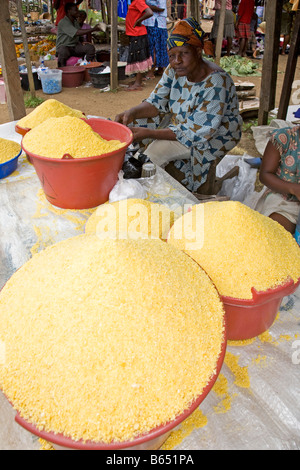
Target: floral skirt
(139, 57)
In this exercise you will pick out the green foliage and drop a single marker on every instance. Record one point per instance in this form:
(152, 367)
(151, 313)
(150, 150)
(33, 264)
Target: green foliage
(239, 66)
(32, 101)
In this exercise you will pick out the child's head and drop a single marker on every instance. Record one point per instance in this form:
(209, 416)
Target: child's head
(81, 17)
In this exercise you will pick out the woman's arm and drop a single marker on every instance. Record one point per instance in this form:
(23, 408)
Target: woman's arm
(83, 32)
(156, 9)
(141, 133)
(146, 14)
(142, 110)
(268, 176)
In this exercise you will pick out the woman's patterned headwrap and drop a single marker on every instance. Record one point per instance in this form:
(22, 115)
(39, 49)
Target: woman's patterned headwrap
(187, 31)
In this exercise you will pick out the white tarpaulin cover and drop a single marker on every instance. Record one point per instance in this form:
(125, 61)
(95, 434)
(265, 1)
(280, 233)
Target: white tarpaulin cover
(255, 401)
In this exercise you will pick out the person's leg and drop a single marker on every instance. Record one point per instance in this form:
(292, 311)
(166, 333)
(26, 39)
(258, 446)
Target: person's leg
(229, 45)
(63, 54)
(85, 50)
(162, 152)
(138, 83)
(245, 47)
(162, 58)
(139, 61)
(287, 224)
(151, 39)
(286, 40)
(241, 46)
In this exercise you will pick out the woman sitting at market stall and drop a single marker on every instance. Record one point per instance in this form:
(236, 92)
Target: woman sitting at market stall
(280, 173)
(197, 102)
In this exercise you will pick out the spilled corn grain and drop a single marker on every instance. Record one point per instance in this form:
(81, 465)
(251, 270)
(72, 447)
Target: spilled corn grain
(103, 342)
(50, 108)
(241, 374)
(222, 391)
(240, 248)
(67, 135)
(195, 421)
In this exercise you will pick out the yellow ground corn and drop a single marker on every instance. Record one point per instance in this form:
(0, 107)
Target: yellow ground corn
(107, 339)
(239, 248)
(136, 218)
(8, 150)
(67, 135)
(48, 109)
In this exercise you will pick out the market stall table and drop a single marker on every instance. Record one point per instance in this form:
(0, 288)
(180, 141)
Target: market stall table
(255, 401)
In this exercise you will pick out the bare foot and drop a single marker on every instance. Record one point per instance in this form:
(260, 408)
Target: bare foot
(134, 88)
(149, 76)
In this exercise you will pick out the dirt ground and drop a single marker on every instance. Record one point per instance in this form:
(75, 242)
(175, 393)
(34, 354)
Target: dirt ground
(92, 101)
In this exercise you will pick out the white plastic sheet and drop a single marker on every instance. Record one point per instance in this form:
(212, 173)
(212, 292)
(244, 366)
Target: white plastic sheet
(255, 402)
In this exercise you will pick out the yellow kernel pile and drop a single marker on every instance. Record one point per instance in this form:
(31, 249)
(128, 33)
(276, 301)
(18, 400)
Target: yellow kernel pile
(238, 247)
(67, 135)
(8, 150)
(48, 109)
(134, 218)
(107, 339)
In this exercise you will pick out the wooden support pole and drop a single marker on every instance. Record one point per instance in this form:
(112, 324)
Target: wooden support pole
(188, 8)
(220, 35)
(114, 45)
(10, 68)
(270, 60)
(195, 9)
(290, 69)
(26, 48)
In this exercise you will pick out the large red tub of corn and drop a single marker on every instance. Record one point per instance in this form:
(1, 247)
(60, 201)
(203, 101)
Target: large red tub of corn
(83, 183)
(239, 248)
(113, 373)
(152, 440)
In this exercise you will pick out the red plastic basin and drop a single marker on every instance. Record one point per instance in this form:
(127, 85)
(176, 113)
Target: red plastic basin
(72, 75)
(83, 183)
(150, 441)
(249, 318)
(21, 130)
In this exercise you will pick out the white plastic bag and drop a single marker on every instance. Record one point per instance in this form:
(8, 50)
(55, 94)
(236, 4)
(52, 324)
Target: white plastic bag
(262, 134)
(239, 187)
(126, 189)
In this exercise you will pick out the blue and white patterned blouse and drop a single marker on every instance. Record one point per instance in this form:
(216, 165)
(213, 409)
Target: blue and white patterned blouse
(205, 118)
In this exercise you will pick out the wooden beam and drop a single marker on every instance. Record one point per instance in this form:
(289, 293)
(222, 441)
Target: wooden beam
(10, 68)
(195, 10)
(290, 69)
(270, 60)
(188, 8)
(114, 45)
(220, 35)
(26, 48)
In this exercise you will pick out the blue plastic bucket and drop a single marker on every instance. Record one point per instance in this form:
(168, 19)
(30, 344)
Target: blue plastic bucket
(9, 167)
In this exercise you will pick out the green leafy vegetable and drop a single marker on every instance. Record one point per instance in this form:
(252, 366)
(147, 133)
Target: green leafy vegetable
(240, 66)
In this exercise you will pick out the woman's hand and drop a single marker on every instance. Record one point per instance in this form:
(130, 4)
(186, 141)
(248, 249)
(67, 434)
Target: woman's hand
(126, 117)
(141, 133)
